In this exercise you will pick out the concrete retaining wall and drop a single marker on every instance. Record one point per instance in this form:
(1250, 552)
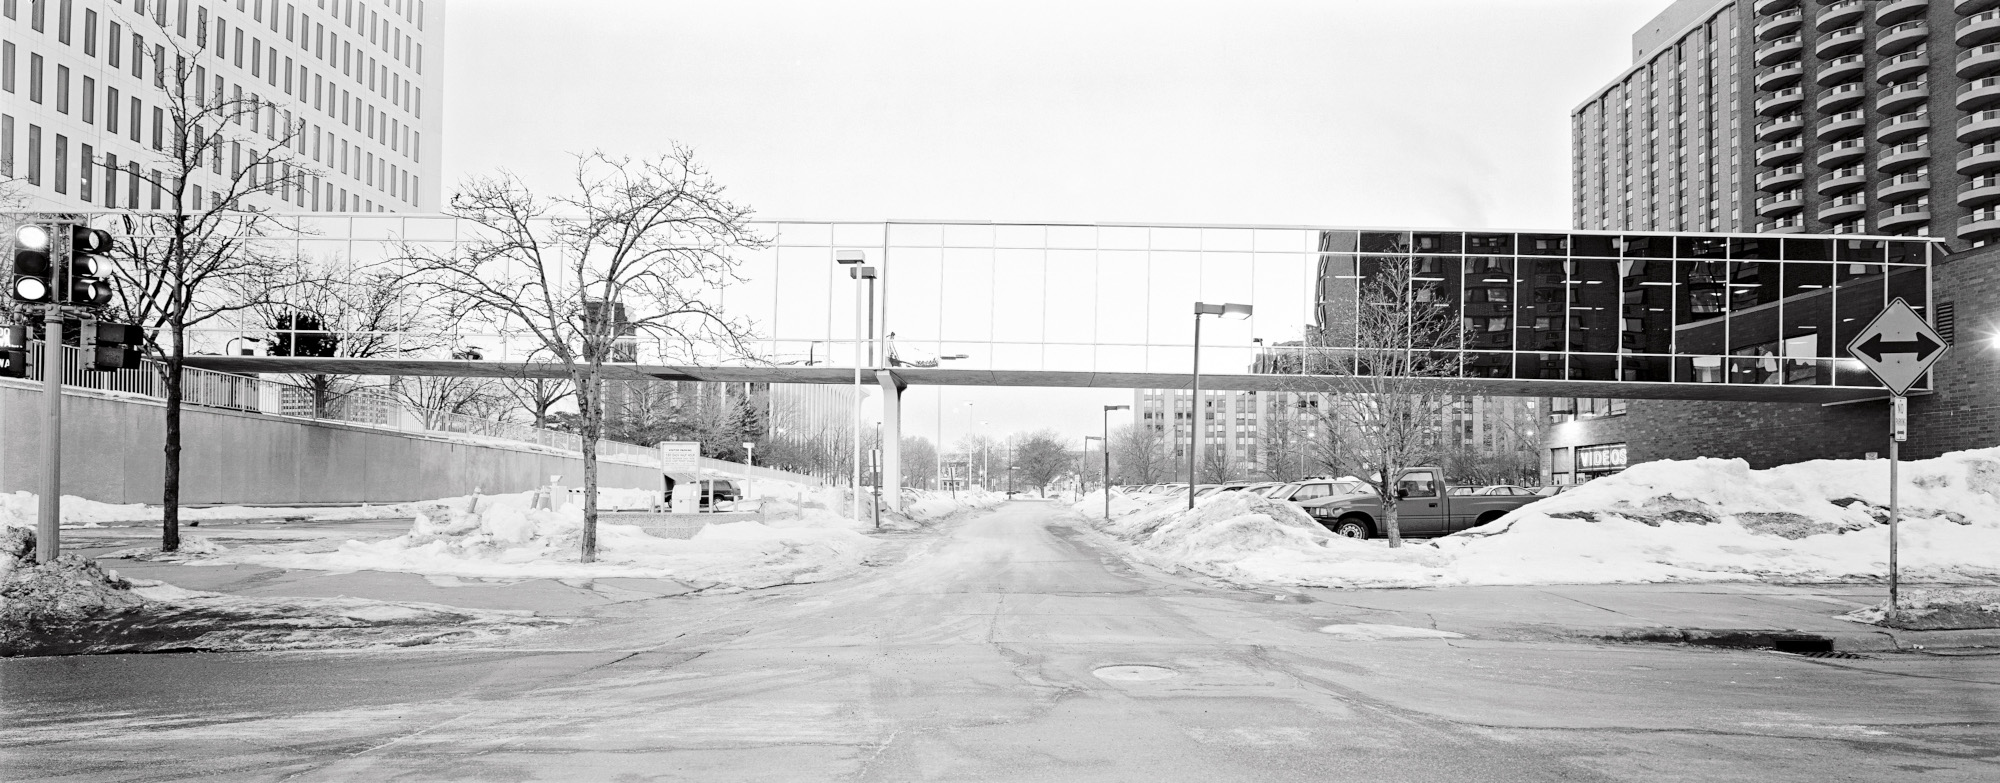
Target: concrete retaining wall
(112, 452)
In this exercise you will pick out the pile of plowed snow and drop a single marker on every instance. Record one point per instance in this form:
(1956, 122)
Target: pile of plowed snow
(1675, 520)
(505, 536)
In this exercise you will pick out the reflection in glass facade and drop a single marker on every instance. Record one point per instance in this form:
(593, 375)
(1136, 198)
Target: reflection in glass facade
(1685, 308)
(1117, 299)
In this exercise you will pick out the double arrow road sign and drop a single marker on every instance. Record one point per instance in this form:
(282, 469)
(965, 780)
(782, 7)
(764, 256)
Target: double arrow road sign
(1898, 347)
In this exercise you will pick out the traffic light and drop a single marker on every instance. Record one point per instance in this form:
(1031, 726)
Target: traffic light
(89, 278)
(33, 280)
(108, 346)
(14, 354)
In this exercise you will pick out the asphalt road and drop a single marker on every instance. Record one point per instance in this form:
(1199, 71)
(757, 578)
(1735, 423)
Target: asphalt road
(1003, 647)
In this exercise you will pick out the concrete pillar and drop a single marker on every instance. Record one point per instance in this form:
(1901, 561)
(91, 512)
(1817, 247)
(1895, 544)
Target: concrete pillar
(892, 439)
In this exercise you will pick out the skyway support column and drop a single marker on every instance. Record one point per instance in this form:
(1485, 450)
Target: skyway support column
(892, 438)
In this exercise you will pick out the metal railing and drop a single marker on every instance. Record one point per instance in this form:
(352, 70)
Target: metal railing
(368, 407)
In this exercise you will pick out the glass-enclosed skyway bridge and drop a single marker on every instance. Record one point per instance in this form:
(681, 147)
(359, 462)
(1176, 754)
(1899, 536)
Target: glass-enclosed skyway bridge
(1566, 314)
(1592, 314)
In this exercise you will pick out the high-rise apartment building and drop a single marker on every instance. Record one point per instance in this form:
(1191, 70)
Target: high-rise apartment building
(1876, 117)
(1865, 117)
(85, 119)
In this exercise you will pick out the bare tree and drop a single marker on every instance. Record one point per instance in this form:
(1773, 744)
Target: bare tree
(437, 398)
(339, 309)
(199, 257)
(1139, 456)
(636, 248)
(1389, 381)
(920, 462)
(1038, 458)
(537, 395)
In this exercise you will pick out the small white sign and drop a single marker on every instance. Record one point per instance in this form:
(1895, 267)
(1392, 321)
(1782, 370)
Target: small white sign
(1898, 347)
(680, 457)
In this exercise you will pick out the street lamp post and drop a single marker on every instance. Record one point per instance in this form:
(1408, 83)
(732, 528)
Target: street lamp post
(749, 461)
(1107, 454)
(1199, 421)
(863, 323)
(1083, 486)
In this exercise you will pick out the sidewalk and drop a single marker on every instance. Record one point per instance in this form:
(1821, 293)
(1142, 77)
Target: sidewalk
(1725, 614)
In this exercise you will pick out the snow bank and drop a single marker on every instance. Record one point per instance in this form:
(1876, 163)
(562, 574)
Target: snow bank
(1933, 610)
(72, 606)
(1668, 521)
(505, 536)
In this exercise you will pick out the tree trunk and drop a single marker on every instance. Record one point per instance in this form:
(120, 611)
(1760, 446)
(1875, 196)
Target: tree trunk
(1389, 521)
(170, 493)
(592, 422)
(320, 386)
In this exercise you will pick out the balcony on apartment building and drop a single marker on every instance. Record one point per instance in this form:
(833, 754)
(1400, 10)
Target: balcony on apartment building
(1904, 187)
(1903, 217)
(1840, 14)
(1897, 157)
(1903, 66)
(1979, 28)
(1841, 153)
(1890, 12)
(1899, 38)
(1843, 208)
(1779, 50)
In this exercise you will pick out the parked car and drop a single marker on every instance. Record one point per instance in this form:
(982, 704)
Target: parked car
(715, 491)
(1262, 488)
(1314, 489)
(1553, 490)
(1423, 508)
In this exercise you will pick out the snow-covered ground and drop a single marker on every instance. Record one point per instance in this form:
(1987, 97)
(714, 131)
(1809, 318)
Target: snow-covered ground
(1667, 521)
(22, 507)
(811, 537)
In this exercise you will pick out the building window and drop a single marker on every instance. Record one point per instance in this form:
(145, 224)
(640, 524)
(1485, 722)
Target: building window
(1601, 460)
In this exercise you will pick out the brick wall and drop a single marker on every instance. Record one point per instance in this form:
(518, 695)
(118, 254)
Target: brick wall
(1964, 411)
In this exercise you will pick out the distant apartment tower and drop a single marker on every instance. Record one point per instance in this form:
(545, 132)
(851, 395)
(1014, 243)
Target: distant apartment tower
(86, 120)
(1876, 117)
(1248, 434)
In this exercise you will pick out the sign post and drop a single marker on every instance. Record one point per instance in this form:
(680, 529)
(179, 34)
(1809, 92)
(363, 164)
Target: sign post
(1898, 347)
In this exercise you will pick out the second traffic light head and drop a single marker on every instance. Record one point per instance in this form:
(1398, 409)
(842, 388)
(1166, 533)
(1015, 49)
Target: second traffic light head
(84, 240)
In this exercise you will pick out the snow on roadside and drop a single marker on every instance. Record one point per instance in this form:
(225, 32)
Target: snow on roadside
(1667, 521)
(503, 536)
(1932, 609)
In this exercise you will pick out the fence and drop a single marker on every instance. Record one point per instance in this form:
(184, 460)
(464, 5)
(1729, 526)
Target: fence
(372, 407)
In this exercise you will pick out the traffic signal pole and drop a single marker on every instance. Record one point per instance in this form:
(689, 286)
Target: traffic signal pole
(48, 513)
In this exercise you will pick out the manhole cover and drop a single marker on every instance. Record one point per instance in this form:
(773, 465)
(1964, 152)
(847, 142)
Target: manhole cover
(1134, 673)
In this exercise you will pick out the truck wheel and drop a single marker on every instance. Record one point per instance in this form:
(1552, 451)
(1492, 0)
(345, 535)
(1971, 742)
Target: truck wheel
(1353, 526)
(1489, 518)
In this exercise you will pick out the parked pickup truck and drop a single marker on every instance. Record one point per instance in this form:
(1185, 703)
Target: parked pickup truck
(1422, 510)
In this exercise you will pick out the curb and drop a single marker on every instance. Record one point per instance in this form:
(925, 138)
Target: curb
(1793, 640)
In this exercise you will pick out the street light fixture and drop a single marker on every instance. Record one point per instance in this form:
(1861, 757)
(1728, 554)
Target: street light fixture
(863, 325)
(1198, 421)
(1107, 455)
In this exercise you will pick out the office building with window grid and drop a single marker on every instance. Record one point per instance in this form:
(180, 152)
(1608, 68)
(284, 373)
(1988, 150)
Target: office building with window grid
(87, 119)
(1862, 117)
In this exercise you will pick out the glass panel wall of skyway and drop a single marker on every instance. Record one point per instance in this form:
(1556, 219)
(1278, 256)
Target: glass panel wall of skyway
(1043, 304)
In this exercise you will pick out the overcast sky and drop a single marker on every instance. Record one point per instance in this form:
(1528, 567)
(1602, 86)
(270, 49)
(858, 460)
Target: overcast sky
(1382, 113)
